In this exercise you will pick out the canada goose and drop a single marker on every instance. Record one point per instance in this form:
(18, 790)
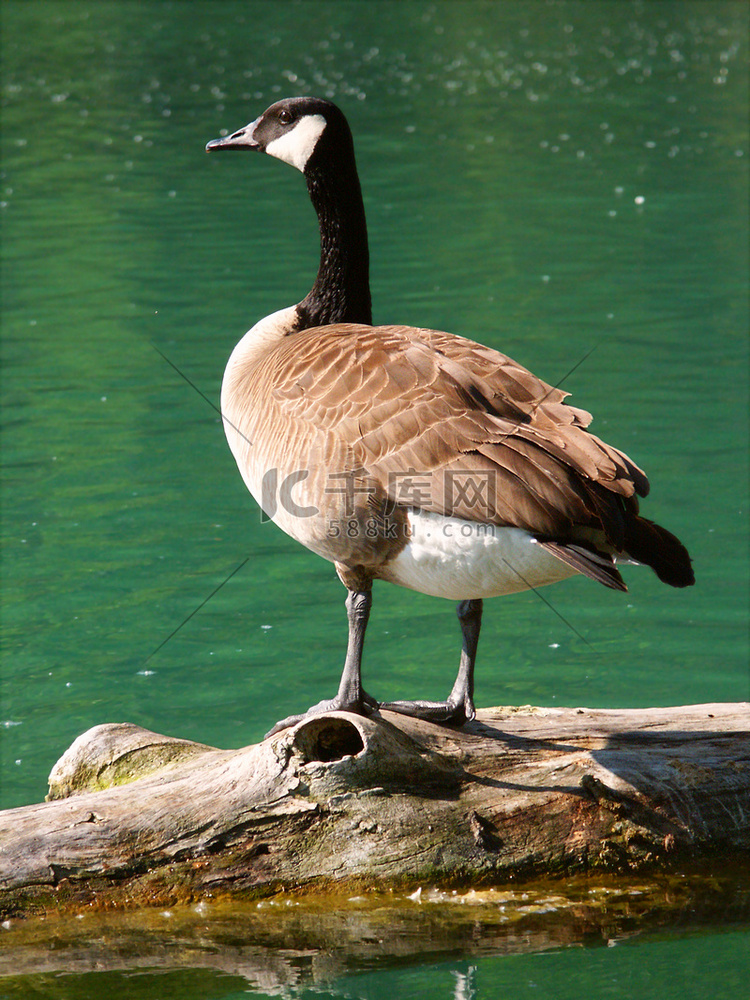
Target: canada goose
(411, 455)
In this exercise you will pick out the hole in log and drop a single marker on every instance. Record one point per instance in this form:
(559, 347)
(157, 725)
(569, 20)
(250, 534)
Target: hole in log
(327, 739)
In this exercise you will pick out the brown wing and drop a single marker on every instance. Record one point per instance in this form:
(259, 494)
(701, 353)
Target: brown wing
(448, 425)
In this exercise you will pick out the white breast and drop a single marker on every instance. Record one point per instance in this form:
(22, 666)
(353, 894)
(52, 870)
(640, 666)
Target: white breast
(239, 420)
(457, 559)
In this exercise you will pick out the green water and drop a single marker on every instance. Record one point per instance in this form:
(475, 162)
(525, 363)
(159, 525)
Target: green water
(551, 179)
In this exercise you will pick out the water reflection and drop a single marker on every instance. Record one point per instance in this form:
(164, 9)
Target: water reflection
(286, 946)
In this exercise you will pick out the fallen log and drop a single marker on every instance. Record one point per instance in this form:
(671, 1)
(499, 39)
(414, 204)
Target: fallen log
(346, 803)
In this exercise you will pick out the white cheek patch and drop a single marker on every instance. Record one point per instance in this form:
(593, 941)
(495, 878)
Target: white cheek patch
(296, 146)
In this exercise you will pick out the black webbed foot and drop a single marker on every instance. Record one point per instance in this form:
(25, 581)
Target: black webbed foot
(365, 706)
(447, 713)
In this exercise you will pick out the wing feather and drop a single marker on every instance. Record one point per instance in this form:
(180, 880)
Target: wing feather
(401, 401)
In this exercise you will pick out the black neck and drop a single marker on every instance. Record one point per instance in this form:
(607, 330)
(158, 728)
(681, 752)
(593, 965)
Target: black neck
(341, 293)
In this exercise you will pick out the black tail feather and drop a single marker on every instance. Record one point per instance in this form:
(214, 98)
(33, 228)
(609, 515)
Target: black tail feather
(649, 543)
(592, 563)
(644, 542)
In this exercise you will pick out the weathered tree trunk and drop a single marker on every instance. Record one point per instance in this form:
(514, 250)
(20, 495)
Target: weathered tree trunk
(343, 802)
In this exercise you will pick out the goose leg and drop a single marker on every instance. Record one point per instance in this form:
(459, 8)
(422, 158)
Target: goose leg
(350, 697)
(459, 707)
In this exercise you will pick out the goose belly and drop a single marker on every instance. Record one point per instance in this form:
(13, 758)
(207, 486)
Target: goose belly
(457, 559)
(283, 495)
(295, 498)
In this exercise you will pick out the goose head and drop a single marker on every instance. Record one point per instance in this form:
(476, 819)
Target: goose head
(298, 130)
(314, 136)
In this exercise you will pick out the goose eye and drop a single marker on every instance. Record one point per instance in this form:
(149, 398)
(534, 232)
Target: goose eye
(286, 117)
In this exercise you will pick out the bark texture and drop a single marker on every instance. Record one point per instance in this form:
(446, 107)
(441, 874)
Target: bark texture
(347, 803)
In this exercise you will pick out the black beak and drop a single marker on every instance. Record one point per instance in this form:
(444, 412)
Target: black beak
(238, 140)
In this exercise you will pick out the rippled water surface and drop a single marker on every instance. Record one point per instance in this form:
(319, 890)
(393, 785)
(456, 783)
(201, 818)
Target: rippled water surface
(566, 182)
